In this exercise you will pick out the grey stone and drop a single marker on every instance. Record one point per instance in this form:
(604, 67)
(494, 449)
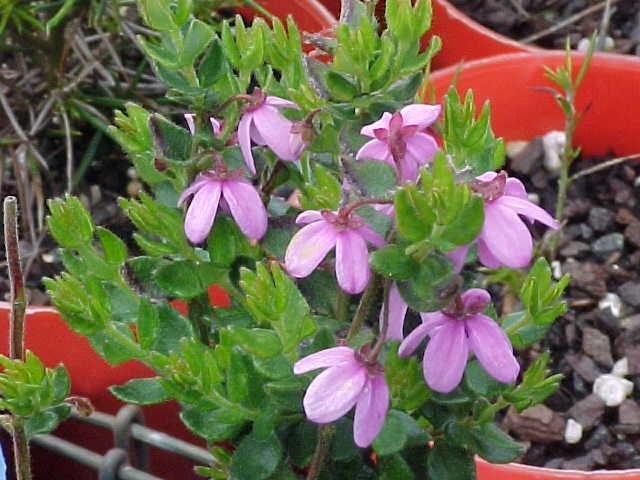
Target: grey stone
(630, 293)
(600, 219)
(607, 244)
(585, 231)
(584, 366)
(574, 249)
(584, 463)
(600, 436)
(588, 411)
(631, 323)
(597, 345)
(587, 276)
(628, 417)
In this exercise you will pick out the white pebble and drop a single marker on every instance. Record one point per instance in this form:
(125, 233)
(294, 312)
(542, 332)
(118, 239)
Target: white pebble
(621, 368)
(534, 198)
(553, 143)
(609, 44)
(572, 432)
(556, 269)
(514, 147)
(612, 389)
(613, 303)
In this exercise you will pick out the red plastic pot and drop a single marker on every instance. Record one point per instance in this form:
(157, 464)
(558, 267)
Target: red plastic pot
(310, 15)
(610, 99)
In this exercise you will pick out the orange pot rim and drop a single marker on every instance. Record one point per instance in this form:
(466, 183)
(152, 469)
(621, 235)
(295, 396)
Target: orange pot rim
(529, 472)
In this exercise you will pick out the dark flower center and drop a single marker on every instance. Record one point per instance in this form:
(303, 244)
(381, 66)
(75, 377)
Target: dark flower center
(396, 135)
(459, 309)
(254, 101)
(363, 355)
(492, 189)
(221, 171)
(341, 220)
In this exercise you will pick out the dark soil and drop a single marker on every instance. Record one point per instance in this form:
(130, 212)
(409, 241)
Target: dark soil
(600, 248)
(505, 17)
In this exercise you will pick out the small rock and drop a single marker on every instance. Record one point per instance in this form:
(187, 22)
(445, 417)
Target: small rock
(588, 411)
(632, 234)
(574, 249)
(587, 276)
(607, 244)
(636, 182)
(538, 424)
(600, 436)
(632, 354)
(629, 417)
(625, 217)
(556, 269)
(526, 157)
(598, 457)
(597, 345)
(621, 368)
(600, 219)
(585, 231)
(584, 463)
(630, 323)
(572, 432)
(554, 463)
(611, 303)
(584, 366)
(534, 198)
(630, 293)
(613, 390)
(553, 143)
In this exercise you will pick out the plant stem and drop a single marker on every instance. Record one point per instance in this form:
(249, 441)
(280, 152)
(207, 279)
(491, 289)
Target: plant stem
(18, 301)
(21, 454)
(384, 326)
(325, 434)
(514, 327)
(363, 307)
(342, 305)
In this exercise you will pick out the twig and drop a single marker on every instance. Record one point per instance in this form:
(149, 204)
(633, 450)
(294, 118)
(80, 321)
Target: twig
(68, 147)
(520, 9)
(16, 327)
(604, 26)
(363, 307)
(325, 434)
(602, 166)
(567, 21)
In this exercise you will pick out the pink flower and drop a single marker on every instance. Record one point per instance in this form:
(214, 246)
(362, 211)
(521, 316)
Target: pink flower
(504, 238)
(191, 123)
(263, 124)
(349, 380)
(454, 331)
(399, 139)
(326, 230)
(397, 313)
(229, 189)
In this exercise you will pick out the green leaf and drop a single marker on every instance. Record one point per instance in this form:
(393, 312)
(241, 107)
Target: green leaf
(398, 432)
(495, 446)
(467, 224)
(195, 41)
(148, 323)
(287, 392)
(60, 384)
(157, 14)
(260, 342)
(171, 141)
(212, 66)
(479, 381)
(114, 249)
(414, 215)
(46, 420)
(301, 443)
(213, 425)
(340, 87)
(375, 178)
(69, 222)
(172, 327)
(450, 463)
(141, 391)
(256, 458)
(394, 467)
(185, 278)
(391, 261)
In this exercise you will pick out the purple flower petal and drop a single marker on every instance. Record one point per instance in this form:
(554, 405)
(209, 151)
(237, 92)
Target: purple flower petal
(281, 102)
(323, 359)
(275, 129)
(446, 356)
(190, 118)
(486, 257)
(407, 169)
(244, 139)
(492, 348)
(334, 392)
(374, 149)
(202, 211)
(371, 411)
(309, 216)
(383, 122)
(397, 312)
(352, 262)
(308, 247)
(475, 297)
(420, 115)
(215, 125)
(528, 209)
(370, 235)
(506, 236)
(196, 185)
(431, 321)
(457, 257)
(421, 147)
(514, 188)
(246, 207)
(487, 176)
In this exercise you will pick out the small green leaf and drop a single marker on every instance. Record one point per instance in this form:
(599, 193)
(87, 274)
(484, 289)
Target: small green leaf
(114, 249)
(340, 87)
(212, 66)
(147, 325)
(198, 36)
(46, 420)
(256, 458)
(451, 463)
(213, 425)
(171, 142)
(399, 431)
(260, 342)
(141, 391)
(391, 261)
(157, 14)
(494, 445)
